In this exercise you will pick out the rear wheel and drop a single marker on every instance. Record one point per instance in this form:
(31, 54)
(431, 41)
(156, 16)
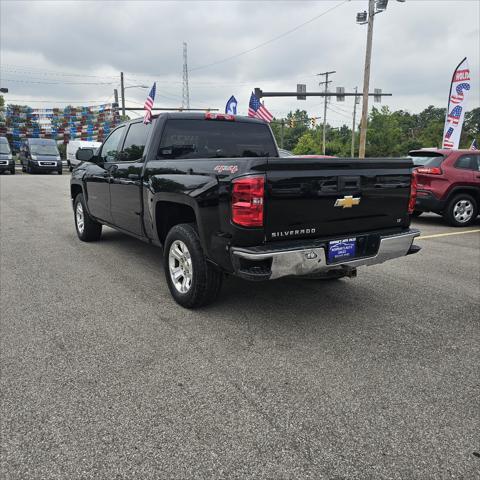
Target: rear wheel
(193, 281)
(88, 230)
(461, 211)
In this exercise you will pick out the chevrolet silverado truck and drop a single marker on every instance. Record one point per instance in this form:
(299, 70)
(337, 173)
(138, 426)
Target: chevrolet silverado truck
(212, 190)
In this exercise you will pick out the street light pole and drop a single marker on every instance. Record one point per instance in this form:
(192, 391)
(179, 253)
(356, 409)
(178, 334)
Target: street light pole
(366, 80)
(122, 89)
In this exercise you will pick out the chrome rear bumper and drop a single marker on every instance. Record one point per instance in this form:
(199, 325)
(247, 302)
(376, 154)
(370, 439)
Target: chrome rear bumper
(307, 261)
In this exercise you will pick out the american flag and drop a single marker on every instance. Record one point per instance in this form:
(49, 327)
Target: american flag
(474, 146)
(257, 110)
(149, 104)
(458, 98)
(447, 142)
(454, 115)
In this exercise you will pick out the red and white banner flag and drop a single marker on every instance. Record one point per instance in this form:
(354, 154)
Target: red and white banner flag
(459, 89)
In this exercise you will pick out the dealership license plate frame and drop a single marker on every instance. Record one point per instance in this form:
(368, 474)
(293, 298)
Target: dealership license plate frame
(343, 249)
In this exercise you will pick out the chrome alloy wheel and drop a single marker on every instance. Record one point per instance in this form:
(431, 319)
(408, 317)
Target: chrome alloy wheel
(180, 266)
(463, 211)
(80, 217)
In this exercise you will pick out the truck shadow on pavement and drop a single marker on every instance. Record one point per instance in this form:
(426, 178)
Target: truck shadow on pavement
(284, 300)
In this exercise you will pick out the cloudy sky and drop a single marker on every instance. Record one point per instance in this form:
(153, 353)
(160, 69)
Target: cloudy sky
(62, 52)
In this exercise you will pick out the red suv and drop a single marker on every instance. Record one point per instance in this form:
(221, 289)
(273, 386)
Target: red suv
(448, 183)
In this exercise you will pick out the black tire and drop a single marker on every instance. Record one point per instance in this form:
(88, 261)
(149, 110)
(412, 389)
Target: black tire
(59, 172)
(91, 230)
(29, 169)
(70, 167)
(205, 279)
(461, 211)
(416, 213)
(12, 171)
(23, 168)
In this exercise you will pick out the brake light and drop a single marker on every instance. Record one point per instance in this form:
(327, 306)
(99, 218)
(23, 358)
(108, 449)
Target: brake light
(219, 116)
(247, 201)
(429, 170)
(413, 193)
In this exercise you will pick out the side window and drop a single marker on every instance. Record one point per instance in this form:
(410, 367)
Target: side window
(110, 147)
(135, 141)
(467, 162)
(476, 162)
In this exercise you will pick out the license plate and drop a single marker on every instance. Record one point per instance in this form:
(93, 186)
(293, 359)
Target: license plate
(341, 249)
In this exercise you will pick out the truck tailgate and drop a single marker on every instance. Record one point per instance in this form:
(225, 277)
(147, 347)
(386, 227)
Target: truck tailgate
(310, 197)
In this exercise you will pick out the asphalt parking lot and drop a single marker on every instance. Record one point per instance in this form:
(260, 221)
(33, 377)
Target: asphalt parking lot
(104, 376)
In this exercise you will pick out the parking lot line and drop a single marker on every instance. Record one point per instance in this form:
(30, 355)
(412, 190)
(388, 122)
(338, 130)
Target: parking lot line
(437, 235)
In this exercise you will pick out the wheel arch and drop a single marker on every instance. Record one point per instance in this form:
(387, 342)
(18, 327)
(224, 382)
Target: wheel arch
(173, 211)
(469, 190)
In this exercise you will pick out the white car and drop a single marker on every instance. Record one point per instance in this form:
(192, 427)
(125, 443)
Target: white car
(72, 148)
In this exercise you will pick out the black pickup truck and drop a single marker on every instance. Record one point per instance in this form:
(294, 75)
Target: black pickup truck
(213, 191)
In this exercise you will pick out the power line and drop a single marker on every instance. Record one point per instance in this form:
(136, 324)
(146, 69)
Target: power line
(57, 83)
(40, 71)
(54, 101)
(278, 37)
(329, 107)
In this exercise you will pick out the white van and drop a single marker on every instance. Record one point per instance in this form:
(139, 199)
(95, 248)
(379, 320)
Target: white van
(72, 148)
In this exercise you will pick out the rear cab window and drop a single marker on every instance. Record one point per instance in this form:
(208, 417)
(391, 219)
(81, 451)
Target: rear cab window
(215, 139)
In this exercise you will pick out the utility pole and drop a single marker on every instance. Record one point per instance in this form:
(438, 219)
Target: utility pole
(122, 89)
(366, 80)
(282, 136)
(326, 82)
(353, 124)
(185, 89)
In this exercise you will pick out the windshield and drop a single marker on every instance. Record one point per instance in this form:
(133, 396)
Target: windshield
(44, 150)
(216, 139)
(4, 148)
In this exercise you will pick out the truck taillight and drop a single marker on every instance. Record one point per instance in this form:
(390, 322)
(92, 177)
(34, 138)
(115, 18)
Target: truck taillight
(247, 201)
(219, 116)
(429, 170)
(413, 193)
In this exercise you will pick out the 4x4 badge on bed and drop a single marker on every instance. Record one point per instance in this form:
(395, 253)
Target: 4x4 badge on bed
(347, 201)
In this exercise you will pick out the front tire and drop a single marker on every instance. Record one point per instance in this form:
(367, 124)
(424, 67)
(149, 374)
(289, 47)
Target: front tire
(416, 213)
(461, 211)
(193, 281)
(12, 171)
(59, 172)
(88, 230)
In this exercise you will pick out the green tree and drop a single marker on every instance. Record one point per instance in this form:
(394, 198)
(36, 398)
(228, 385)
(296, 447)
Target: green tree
(307, 145)
(384, 134)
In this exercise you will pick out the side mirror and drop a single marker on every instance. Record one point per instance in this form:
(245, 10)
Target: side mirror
(85, 154)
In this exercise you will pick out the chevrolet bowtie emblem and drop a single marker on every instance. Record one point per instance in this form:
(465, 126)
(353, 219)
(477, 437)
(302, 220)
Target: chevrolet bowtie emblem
(347, 201)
